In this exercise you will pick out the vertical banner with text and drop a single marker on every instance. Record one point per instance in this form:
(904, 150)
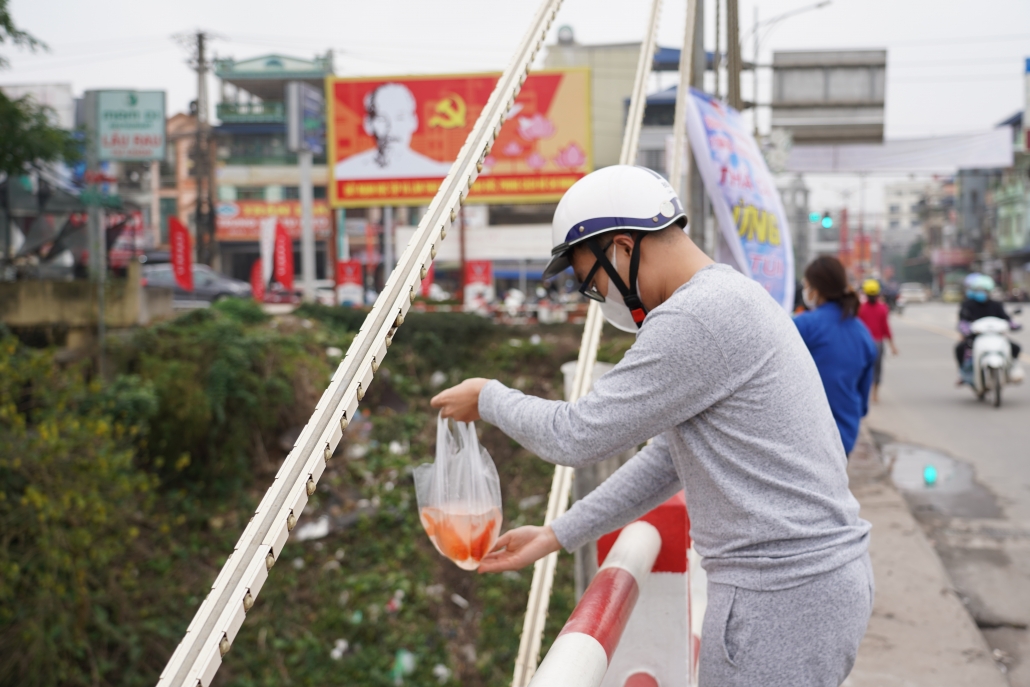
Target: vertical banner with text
(257, 282)
(283, 257)
(754, 236)
(182, 253)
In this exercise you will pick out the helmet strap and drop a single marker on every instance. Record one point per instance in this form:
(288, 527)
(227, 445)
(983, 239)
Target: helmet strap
(629, 292)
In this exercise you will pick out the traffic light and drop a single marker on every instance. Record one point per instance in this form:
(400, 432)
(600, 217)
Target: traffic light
(814, 217)
(827, 221)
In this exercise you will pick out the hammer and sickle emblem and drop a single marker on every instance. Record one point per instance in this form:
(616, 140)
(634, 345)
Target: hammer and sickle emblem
(449, 112)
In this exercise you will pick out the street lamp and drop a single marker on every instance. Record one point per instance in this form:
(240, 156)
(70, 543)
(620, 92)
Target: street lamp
(760, 30)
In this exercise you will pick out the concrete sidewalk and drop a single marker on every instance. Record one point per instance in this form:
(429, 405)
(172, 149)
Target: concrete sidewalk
(920, 634)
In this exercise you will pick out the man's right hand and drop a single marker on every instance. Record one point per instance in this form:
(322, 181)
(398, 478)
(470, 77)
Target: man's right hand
(520, 547)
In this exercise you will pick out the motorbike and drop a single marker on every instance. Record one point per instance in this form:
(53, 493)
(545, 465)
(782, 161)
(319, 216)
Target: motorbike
(990, 365)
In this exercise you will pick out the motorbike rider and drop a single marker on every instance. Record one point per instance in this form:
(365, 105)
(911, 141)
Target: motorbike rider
(720, 378)
(978, 304)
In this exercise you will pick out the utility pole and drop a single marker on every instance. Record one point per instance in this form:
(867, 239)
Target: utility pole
(716, 56)
(695, 186)
(203, 171)
(733, 55)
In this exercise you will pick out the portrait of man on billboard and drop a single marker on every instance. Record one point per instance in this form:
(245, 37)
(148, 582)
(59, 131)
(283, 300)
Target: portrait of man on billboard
(391, 118)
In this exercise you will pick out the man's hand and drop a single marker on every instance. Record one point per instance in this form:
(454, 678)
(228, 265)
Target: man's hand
(460, 402)
(520, 547)
(894, 349)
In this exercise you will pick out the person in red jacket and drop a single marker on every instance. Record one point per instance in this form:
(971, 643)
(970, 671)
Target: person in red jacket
(873, 314)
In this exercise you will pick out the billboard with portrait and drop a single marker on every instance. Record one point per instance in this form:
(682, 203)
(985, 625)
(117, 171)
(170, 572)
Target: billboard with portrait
(393, 140)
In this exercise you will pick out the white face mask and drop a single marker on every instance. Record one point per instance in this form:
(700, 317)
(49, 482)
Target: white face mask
(614, 308)
(808, 299)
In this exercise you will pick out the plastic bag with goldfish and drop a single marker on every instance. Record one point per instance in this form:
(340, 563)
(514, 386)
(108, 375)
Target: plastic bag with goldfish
(459, 495)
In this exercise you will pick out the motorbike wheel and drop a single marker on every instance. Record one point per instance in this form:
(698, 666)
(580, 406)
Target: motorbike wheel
(996, 382)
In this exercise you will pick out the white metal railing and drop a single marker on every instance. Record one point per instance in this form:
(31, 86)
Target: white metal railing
(220, 616)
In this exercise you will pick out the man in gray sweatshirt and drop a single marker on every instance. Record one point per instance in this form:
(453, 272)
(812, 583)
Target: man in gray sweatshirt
(723, 383)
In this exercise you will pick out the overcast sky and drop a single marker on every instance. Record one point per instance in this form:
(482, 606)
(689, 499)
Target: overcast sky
(954, 66)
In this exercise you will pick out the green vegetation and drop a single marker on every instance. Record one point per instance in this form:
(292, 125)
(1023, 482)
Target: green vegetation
(120, 501)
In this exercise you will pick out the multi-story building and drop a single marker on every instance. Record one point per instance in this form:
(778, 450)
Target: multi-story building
(902, 208)
(257, 176)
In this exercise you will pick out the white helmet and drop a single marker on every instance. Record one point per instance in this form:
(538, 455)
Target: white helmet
(620, 198)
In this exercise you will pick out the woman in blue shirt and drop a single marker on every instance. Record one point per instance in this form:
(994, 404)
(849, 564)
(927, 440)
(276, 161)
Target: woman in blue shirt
(840, 344)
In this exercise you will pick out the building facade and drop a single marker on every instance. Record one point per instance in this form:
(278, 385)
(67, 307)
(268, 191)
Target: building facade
(256, 175)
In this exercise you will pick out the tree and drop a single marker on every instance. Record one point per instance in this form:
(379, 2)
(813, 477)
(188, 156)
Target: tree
(29, 137)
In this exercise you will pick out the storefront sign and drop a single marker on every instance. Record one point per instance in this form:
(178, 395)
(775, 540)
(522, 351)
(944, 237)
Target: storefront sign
(240, 220)
(754, 236)
(393, 140)
(130, 125)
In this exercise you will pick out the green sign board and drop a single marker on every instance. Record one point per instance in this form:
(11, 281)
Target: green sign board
(130, 125)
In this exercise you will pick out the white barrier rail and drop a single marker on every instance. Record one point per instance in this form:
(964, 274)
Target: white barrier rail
(220, 616)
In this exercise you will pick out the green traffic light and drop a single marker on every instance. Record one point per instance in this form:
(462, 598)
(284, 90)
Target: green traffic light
(828, 222)
(813, 217)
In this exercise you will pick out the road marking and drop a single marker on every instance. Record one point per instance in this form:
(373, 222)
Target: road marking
(954, 336)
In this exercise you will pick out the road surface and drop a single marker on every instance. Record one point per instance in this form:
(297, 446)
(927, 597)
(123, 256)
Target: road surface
(978, 514)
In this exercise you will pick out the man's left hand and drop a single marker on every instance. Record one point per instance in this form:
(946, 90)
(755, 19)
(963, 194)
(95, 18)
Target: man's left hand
(460, 402)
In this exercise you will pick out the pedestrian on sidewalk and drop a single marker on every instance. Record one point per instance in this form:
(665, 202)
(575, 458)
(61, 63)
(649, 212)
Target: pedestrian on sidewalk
(841, 346)
(721, 380)
(874, 314)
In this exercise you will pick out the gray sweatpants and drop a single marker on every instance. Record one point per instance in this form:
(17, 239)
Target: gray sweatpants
(806, 636)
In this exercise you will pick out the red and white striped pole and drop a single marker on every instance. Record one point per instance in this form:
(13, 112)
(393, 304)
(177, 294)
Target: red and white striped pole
(580, 655)
(632, 626)
(657, 647)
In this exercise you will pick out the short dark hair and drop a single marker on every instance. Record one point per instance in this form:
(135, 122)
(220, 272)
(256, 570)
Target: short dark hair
(828, 276)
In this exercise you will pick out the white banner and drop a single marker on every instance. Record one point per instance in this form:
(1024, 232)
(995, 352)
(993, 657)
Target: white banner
(754, 236)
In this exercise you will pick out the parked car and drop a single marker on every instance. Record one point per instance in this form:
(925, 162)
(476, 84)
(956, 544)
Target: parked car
(913, 292)
(208, 285)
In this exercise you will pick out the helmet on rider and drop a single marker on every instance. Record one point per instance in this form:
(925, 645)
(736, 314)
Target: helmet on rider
(871, 287)
(979, 287)
(613, 200)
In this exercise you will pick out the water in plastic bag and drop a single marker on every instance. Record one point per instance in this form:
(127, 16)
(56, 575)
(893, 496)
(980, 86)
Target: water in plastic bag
(459, 495)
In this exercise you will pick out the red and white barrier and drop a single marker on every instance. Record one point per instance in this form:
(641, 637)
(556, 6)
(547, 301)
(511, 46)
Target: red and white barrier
(580, 655)
(632, 626)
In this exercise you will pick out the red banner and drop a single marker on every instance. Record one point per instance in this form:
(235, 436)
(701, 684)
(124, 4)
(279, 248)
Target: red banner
(283, 266)
(428, 281)
(479, 272)
(348, 272)
(182, 253)
(257, 283)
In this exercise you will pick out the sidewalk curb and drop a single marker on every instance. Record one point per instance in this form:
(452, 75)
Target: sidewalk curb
(920, 634)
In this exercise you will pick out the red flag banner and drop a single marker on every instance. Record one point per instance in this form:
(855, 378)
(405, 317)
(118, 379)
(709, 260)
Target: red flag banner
(348, 272)
(182, 253)
(257, 283)
(428, 281)
(283, 267)
(479, 272)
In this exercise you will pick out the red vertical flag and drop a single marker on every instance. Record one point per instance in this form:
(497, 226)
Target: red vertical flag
(428, 281)
(257, 282)
(283, 266)
(182, 253)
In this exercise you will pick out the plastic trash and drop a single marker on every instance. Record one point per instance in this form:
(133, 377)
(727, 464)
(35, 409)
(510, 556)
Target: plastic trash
(459, 495)
(403, 665)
